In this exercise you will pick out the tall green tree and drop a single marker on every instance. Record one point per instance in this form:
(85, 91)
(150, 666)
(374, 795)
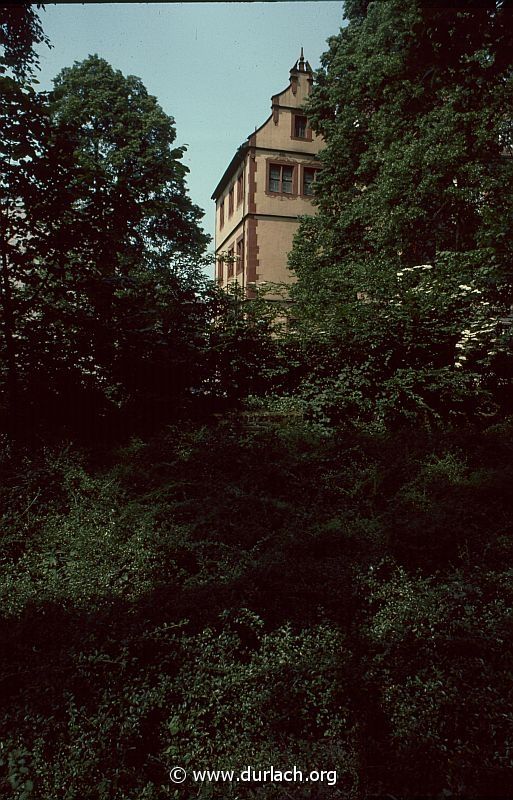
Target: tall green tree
(128, 187)
(135, 280)
(129, 243)
(410, 253)
(110, 303)
(22, 122)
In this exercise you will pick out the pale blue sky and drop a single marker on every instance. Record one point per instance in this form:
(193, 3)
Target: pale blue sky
(212, 66)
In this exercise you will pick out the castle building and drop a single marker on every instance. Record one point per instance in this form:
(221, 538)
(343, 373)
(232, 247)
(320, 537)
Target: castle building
(267, 185)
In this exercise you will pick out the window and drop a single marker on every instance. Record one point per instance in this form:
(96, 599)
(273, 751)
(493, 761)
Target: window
(239, 189)
(299, 126)
(240, 255)
(220, 270)
(281, 178)
(230, 262)
(309, 178)
(230, 202)
(221, 214)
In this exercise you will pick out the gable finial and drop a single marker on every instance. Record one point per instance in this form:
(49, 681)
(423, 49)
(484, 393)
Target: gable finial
(301, 65)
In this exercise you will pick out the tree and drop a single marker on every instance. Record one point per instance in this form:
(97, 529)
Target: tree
(107, 281)
(133, 284)
(22, 121)
(20, 30)
(128, 188)
(414, 103)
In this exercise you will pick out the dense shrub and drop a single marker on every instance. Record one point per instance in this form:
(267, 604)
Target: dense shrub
(258, 593)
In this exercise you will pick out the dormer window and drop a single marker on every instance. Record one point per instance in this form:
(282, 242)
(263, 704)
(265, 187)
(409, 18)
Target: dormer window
(299, 128)
(300, 124)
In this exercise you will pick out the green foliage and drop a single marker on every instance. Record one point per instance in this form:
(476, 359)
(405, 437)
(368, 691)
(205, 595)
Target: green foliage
(431, 637)
(252, 697)
(414, 126)
(20, 30)
(253, 593)
(320, 576)
(24, 125)
(128, 183)
(105, 303)
(98, 549)
(246, 353)
(405, 272)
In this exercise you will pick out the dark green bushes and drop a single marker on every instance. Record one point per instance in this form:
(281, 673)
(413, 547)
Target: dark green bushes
(323, 578)
(222, 596)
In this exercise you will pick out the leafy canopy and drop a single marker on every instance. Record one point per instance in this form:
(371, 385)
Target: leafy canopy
(410, 250)
(103, 289)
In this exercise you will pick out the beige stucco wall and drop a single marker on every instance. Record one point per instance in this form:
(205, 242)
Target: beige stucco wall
(276, 131)
(231, 222)
(231, 243)
(276, 134)
(274, 242)
(270, 203)
(297, 99)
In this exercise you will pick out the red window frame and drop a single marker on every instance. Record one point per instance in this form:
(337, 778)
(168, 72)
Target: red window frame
(231, 259)
(240, 255)
(281, 176)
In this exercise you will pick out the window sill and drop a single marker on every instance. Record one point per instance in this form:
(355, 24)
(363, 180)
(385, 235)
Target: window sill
(270, 193)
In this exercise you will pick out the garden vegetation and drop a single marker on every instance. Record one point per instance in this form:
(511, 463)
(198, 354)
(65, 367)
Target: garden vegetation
(225, 547)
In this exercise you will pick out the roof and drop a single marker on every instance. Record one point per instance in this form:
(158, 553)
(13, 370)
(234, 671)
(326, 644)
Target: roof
(232, 166)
